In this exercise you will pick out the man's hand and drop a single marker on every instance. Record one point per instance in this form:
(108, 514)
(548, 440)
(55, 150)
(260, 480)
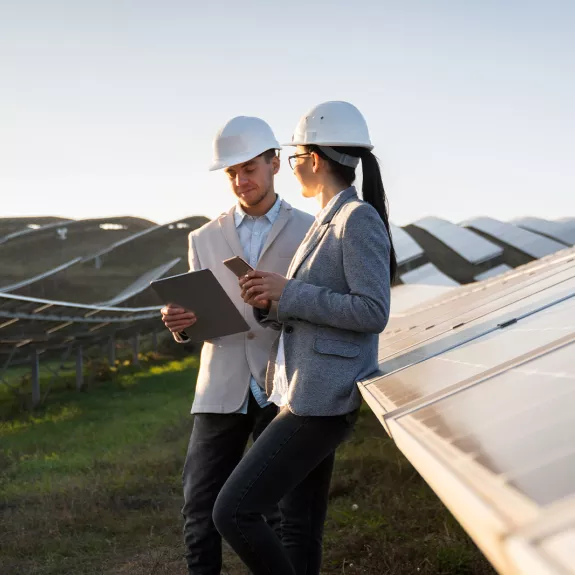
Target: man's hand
(177, 318)
(262, 287)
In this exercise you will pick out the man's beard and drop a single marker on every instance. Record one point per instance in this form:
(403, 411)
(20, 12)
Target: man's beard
(258, 201)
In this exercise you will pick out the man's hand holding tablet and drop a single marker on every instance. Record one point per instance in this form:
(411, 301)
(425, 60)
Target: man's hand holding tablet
(177, 318)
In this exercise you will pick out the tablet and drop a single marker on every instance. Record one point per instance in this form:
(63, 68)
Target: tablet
(201, 293)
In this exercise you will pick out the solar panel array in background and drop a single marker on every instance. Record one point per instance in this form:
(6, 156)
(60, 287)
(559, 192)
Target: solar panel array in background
(533, 244)
(563, 231)
(477, 388)
(470, 246)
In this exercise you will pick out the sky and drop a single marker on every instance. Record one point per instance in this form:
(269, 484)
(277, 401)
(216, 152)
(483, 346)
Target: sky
(109, 107)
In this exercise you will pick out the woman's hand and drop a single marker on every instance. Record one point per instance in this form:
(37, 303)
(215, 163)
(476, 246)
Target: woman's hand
(260, 304)
(259, 287)
(251, 300)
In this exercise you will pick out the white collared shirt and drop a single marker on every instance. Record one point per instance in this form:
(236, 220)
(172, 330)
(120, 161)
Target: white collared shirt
(253, 233)
(280, 389)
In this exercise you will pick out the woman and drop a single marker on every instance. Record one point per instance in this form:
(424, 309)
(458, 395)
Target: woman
(329, 310)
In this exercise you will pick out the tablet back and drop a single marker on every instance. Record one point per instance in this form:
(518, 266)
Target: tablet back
(201, 293)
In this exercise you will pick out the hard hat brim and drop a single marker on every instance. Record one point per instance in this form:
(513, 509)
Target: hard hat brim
(240, 159)
(331, 144)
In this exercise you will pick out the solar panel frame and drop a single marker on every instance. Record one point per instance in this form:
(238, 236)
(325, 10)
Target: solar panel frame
(548, 543)
(493, 272)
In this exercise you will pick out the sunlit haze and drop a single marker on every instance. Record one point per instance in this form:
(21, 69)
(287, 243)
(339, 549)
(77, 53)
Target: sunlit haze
(110, 107)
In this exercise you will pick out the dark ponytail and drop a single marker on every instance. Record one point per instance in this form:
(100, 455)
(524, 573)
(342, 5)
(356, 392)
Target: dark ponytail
(372, 188)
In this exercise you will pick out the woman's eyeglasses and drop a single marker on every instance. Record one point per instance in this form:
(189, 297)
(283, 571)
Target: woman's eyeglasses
(292, 159)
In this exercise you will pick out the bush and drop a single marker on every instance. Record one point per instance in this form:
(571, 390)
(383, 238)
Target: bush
(168, 346)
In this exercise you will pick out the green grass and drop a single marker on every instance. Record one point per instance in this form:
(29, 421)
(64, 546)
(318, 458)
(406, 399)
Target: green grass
(16, 384)
(18, 378)
(91, 484)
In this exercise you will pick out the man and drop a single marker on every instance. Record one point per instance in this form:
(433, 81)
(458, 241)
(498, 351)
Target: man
(230, 403)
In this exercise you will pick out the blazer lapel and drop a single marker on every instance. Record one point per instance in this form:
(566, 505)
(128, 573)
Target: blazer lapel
(308, 245)
(280, 223)
(228, 227)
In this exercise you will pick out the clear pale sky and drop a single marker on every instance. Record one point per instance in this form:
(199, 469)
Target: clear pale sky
(109, 107)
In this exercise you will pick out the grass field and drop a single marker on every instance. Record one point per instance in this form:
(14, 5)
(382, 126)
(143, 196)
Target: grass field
(91, 485)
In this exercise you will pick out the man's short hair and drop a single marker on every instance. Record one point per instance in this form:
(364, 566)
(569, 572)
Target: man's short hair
(268, 155)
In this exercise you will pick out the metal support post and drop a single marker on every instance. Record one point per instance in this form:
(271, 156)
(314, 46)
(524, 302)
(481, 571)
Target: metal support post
(79, 367)
(135, 349)
(155, 341)
(35, 364)
(112, 351)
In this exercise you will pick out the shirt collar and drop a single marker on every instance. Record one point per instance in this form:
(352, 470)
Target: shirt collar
(328, 207)
(272, 215)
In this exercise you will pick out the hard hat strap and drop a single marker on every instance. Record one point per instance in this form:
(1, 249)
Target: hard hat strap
(343, 159)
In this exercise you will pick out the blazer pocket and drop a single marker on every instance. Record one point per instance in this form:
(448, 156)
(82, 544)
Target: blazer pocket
(336, 347)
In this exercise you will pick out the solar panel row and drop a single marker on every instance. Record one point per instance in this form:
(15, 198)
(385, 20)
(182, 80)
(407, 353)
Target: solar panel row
(30, 323)
(477, 388)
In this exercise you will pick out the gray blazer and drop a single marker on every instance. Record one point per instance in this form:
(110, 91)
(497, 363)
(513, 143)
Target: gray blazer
(332, 309)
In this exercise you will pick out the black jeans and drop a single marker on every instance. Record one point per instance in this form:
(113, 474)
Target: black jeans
(291, 464)
(216, 446)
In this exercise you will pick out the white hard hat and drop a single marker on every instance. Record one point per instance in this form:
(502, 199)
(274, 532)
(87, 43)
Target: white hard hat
(332, 124)
(242, 139)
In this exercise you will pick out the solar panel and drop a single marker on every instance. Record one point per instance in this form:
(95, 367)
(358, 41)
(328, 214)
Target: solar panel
(407, 296)
(57, 269)
(427, 274)
(524, 240)
(497, 451)
(561, 231)
(464, 242)
(455, 328)
(430, 373)
(518, 425)
(477, 388)
(406, 248)
(466, 298)
(25, 320)
(141, 284)
(496, 271)
(32, 228)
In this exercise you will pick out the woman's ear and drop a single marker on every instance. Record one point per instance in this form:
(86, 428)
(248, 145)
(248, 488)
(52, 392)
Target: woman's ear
(315, 162)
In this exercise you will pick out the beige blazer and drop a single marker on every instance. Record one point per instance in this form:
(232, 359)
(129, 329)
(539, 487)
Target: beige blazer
(227, 363)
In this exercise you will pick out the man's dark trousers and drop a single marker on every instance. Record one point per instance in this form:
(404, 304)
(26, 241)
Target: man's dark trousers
(216, 446)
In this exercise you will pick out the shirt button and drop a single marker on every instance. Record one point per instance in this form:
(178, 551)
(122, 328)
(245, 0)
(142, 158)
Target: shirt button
(251, 335)
(289, 329)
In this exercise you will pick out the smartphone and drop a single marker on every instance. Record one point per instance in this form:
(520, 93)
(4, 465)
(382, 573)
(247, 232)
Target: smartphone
(238, 266)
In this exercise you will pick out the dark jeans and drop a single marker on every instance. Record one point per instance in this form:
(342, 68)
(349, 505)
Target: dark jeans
(291, 464)
(216, 446)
